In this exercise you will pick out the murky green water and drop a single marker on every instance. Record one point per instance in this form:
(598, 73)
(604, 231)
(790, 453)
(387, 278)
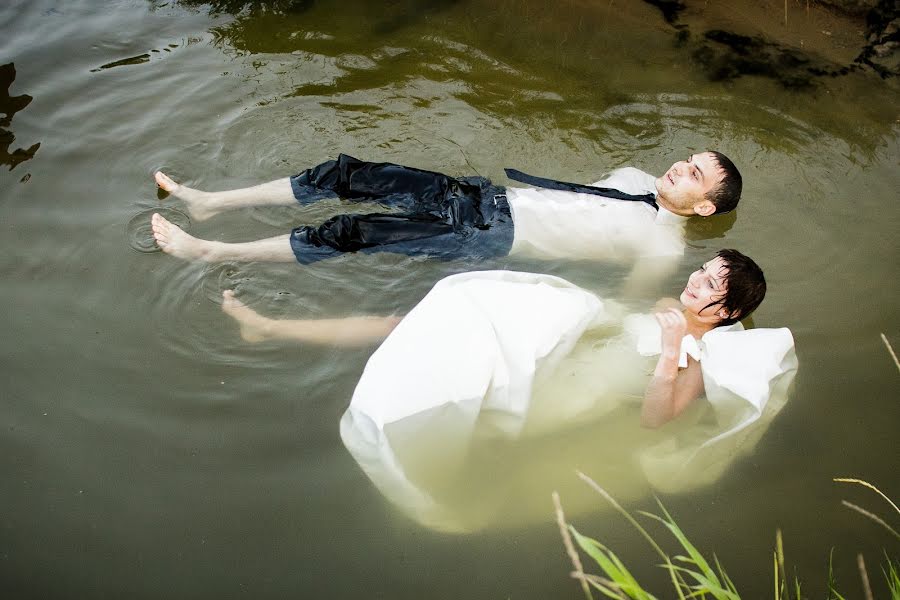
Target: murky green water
(147, 452)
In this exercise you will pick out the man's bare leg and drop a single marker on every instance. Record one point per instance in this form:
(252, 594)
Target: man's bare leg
(346, 332)
(203, 205)
(173, 240)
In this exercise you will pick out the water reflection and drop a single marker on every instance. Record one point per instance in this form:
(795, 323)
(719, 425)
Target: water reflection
(374, 18)
(139, 231)
(172, 460)
(9, 106)
(533, 66)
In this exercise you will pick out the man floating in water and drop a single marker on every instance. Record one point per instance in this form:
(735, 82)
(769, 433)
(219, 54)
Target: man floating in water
(628, 216)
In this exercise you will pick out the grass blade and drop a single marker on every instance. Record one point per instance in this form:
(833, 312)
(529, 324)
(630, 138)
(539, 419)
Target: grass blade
(707, 581)
(777, 594)
(610, 564)
(779, 554)
(704, 585)
(832, 582)
(892, 578)
(729, 585)
(605, 586)
(624, 513)
(636, 525)
(868, 485)
(695, 556)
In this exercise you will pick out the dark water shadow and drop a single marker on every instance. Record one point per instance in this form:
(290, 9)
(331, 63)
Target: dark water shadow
(133, 60)
(9, 106)
(700, 230)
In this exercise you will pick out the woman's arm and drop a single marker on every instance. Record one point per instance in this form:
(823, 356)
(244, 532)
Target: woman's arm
(670, 391)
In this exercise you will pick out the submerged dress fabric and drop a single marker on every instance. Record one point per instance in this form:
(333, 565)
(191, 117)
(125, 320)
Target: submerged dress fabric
(495, 356)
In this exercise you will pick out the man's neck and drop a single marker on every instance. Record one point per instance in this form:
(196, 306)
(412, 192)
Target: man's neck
(663, 203)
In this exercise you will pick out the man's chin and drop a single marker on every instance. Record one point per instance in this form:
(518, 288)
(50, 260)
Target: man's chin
(660, 183)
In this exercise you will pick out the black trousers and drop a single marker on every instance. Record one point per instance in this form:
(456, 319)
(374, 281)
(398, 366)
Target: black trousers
(438, 215)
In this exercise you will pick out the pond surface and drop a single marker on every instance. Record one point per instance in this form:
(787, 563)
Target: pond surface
(148, 452)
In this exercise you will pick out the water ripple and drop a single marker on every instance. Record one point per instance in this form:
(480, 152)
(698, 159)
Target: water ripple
(140, 232)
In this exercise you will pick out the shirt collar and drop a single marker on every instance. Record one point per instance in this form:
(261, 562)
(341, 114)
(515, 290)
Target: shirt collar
(667, 217)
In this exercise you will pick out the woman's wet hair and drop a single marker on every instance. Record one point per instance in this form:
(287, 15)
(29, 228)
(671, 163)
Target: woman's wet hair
(745, 288)
(727, 194)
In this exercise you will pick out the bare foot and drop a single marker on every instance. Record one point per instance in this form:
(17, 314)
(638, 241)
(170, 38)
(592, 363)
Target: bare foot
(254, 327)
(199, 204)
(173, 240)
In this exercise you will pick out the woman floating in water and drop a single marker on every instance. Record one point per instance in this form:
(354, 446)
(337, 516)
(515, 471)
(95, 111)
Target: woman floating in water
(499, 354)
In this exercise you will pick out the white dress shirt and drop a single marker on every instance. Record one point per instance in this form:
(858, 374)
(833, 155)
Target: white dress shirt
(558, 224)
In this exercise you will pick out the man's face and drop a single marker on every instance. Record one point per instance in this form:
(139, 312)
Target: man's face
(683, 188)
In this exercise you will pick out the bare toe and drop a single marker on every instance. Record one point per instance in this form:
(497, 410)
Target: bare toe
(254, 327)
(158, 225)
(230, 302)
(165, 182)
(199, 203)
(172, 239)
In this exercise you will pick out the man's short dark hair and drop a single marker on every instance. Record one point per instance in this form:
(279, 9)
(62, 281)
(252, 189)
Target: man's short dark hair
(745, 287)
(727, 194)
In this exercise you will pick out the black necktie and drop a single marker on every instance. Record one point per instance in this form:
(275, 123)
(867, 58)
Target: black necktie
(552, 184)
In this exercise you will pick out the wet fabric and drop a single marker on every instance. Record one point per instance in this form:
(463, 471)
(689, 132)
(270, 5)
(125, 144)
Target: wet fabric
(565, 186)
(554, 224)
(495, 356)
(438, 215)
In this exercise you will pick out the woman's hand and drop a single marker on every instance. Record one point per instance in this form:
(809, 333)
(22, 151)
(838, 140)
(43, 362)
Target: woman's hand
(674, 328)
(670, 391)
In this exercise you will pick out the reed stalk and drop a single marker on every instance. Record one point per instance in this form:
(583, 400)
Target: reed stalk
(890, 350)
(864, 575)
(570, 547)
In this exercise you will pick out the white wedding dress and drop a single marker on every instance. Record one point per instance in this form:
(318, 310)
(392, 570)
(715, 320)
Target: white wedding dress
(490, 360)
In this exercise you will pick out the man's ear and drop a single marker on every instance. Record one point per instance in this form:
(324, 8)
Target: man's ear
(704, 208)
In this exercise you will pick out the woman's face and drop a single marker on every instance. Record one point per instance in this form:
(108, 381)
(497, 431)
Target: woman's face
(705, 286)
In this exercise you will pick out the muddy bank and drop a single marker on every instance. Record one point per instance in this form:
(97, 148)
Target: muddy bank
(793, 43)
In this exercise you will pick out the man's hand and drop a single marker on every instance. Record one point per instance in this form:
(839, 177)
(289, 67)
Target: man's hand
(643, 282)
(674, 327)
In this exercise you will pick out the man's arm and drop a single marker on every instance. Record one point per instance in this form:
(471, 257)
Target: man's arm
(670, 391)
(646, 275)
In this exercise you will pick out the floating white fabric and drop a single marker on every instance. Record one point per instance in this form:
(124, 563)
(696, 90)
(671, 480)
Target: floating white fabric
(465, 363)
(746, 375)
